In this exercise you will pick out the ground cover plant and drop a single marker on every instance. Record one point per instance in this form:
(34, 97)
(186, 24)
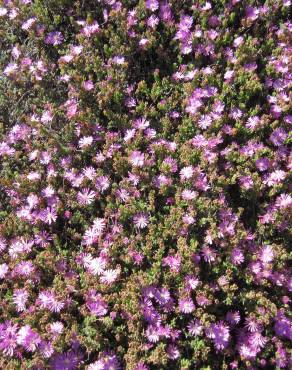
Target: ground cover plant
(145, 195)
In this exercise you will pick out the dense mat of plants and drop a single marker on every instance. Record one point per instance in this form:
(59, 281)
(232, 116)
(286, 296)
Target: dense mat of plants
(144, 176)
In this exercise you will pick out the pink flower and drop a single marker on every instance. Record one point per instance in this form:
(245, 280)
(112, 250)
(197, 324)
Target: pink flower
(266, 254)
(275, 178)
(137, 158)
(252, 324)
(209, 254)
(95, 266)
(24, 268)
(99, 224)
(47, 300)
(72, 108)
(173, 262)
(85, 196)
(3, 244)
(20, 297)
(186, 305)
(10, 69)
(172, 352)
(141, 220)
(188, 194)
(85, 142)
(109, 276)
(237, 256)
(88, 85)
(195, 327)
(186, 173)
(3, 270)
(56, 328)
(205, 121)
(246, 182)
(228, 76)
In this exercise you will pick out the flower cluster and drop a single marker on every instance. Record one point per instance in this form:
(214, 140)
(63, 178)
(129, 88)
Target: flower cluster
(145, 194)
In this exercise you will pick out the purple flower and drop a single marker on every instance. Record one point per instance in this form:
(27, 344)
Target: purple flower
(220, 335)
(65, 361)
(49, 215)
(252, 324)
(27, 338)
(153, 333)
(54, 38)
(172, 352)
(283, 327)
(257, 340)
(152, 5)
(278, 136)
(165, 13)
(96, 305)
(233, 317)
(262, 164)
